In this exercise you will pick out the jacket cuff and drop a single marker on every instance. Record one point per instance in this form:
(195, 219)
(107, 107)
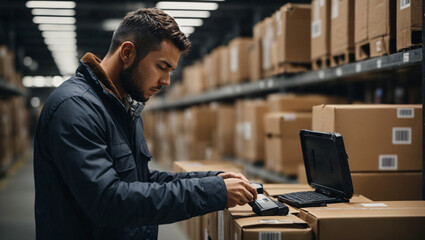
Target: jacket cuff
(216, 188)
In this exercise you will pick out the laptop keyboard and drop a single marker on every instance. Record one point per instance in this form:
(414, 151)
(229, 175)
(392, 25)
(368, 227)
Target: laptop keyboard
(307, 197)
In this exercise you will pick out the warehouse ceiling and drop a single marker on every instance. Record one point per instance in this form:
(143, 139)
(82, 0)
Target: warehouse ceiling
(18, 31)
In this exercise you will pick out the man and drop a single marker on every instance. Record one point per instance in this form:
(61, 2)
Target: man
(92, 179)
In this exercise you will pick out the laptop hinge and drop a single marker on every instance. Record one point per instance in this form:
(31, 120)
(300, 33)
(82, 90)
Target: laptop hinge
(322, 191)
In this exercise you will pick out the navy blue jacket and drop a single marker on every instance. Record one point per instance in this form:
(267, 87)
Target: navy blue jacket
(92, 179)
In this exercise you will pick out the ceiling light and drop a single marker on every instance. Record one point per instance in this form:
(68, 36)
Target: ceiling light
(53, 12)
(111, 24)
(54, 27)
(62, 41)
(188, 14)
(187, 5)
(195, 22)
(187, 30)
(50, 4)
(50, 34)
(54, 20)
(69, 47)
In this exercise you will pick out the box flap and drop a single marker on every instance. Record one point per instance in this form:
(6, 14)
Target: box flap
(269, 221)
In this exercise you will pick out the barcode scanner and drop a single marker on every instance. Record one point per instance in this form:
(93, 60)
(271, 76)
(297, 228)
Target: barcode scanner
(265, 206)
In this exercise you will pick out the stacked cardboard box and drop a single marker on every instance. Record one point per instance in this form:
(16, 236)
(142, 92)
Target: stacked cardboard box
(267, 32)
(239, 59)
(320, 33)
(256, 53)
(5, 134)
(223, 131)
(292, 22)
(224, 66)
(194, 78)
(7, 65)
(361, 37)
(253, 144)
(342, 32)
(197, 227)
(162, 150)
(288, 114)
(384, 145)
(409, 23)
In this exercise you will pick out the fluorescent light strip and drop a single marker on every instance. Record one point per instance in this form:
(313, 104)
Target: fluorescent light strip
(54, 20)
(53, 12)
(54, 27)
(195, 22)
(62, 41)
(56, 48)
(111, 24)
(187, 5)
(188, 14)
(50, 4)
(54, 34)
(187, 30)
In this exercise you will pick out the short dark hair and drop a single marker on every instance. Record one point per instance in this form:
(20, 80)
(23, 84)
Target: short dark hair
(146, 28)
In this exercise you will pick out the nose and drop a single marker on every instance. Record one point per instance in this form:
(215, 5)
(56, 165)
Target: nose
(165, 80)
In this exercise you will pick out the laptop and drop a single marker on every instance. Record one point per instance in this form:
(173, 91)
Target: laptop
(326, 165)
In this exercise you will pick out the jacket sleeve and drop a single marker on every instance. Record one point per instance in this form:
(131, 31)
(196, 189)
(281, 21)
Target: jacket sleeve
(76, 136)
(157, 176)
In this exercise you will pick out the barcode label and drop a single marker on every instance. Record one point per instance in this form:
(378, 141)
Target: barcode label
(316, 11)
(402, 135)
(404, 4)
(289, 117)
(279, 23)
(406, 57)
(405, 113)
(316, 29)
(247, 132)
(270, 236)
(379, 46)
(234, 59)
(335, 8)
(205, 233)
(388, 162)
(379, 63)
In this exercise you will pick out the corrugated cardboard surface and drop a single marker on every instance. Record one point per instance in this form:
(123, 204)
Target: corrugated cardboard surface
(376, 220)
(342, 26)
(368, 135)
(361, 21)
(256, 67)
(381, 45)
(224, 134)
(293, 33)
(321, 41)
(239, 59)
(408, 19)
(194, 78)
(224, 76)
(288, 227)
(388, 186)
(381, 19)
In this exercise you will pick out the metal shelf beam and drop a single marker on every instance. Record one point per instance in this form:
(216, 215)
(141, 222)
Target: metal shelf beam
(272, 84)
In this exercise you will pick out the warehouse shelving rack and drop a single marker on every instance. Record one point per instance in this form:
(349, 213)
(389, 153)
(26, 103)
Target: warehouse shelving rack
(8, 90)
(405, 62)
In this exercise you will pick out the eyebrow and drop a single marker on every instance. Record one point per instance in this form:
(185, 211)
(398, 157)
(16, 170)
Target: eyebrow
(166, 63)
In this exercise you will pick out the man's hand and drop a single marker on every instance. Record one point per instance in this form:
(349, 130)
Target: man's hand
(226, 175)
(239, 192)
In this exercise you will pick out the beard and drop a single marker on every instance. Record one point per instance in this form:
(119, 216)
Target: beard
(132, 82)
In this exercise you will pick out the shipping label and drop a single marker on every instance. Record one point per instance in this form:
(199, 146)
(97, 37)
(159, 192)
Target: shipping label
(405, 113)
(402, 135)
(270, 236)
(388, 162)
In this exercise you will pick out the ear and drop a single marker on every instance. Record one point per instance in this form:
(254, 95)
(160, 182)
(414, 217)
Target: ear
(127, 54)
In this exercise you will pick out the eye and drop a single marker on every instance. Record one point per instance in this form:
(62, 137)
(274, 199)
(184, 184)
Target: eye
(160, 67)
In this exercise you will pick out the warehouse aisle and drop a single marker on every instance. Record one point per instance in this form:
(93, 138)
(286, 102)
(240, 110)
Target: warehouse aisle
(17, 201)
(17, 204)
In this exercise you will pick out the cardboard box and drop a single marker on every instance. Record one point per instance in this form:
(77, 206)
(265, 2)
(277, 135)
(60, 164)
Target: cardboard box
(190, 166)
(224, 65)
(377, 137)
(409, 23)
(198, 122)
(270, 227)
(239, 59)
(288, 102)
(283, 148)
(376, 220)
(361, 38)
(254, 112)
(256, 53)
(239, 141)
(224, 134)
(381, 27)
(388, 186)
(320, 28)
(342, 25)
(194, 78)
(293, 33)
(267, 40)
(210, 81)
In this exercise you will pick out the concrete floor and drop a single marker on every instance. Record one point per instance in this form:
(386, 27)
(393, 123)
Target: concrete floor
(17, 204)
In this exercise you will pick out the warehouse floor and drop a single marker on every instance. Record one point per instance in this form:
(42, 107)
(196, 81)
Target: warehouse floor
(17, 204)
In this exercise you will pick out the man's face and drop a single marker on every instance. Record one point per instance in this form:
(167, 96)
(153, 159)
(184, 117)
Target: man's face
(146, 77)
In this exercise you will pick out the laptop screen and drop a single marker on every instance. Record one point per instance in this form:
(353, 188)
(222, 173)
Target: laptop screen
(326, 162)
